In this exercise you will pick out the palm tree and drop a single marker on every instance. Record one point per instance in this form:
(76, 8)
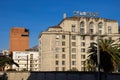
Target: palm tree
(73, 69)
(4, 61)
(109, 54)
(90, 66)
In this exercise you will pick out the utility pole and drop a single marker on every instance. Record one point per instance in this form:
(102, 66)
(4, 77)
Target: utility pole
(27, 62)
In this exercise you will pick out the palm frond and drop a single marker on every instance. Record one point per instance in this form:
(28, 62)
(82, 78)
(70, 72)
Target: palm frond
(109, 54)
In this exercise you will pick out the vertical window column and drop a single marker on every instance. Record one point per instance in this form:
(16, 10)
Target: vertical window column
(82, 28)
(73, 28)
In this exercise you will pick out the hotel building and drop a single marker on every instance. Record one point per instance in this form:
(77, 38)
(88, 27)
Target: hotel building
(64, 47)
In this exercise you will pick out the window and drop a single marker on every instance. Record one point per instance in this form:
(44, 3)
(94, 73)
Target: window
(73, 28)
(91, 31)
(57, 68)
(82, 49)
(82, 43)
(36, 61)
(56, 56)
(100, 31)
(57, 36)
(82, 37)
(73, 37)
(91, 37)
(91, 26)
(63, 62)
(31, 65)
(36, 69)
(83, 63)
(82, 68)
(63, 49)
(73, 56)
(56, 49)
(57, 43)
(36, 65)
(109, 30)
(82, 24)
(73, 43)
(31, 61)
(63, 68)
(110, 38)
(63, 36)
(82, 27)
(31, 55)
(63, 43)
(82, 31)
(73, 62)
(56, 62)
(63, 56)
(73, 50)
(24, 35)
(82, 56)
(100, 25)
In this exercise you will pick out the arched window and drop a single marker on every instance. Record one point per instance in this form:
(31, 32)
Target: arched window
(100, 26)
(82, 25)
(73, 28)
(91, 27)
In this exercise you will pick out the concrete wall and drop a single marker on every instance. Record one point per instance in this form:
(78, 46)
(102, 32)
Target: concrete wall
(60, 76)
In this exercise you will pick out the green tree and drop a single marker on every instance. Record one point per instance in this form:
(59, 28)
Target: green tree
(109, 52)
(90, 66)
(4, 61)
(73, 69)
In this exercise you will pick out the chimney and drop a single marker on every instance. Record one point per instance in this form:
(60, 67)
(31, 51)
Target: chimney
(64, 16)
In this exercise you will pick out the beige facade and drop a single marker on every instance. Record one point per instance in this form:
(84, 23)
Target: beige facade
(65, 46)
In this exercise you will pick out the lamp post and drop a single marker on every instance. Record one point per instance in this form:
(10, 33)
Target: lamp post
(98, 56)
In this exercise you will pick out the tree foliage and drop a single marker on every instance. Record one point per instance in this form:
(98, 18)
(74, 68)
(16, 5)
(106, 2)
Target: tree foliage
(109, 52)
(4, 61)
(73, 69)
